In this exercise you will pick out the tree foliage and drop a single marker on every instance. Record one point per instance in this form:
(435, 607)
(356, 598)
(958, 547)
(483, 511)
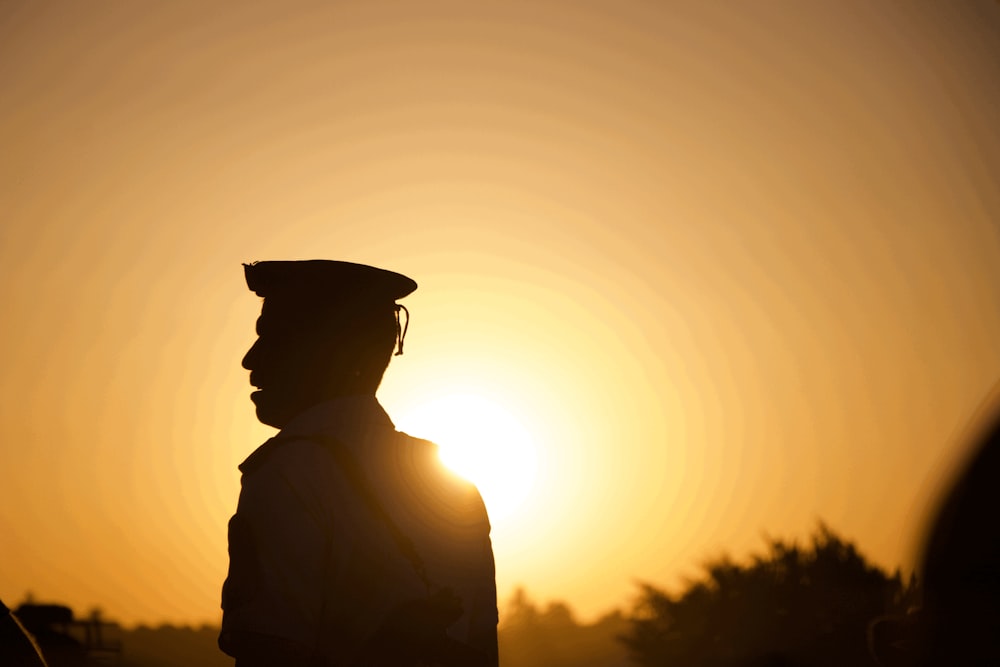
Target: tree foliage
(551, 637)
(791, 606)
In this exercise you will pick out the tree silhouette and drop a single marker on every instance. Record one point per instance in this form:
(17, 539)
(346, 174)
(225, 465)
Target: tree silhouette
(792, 606)
(551, 637)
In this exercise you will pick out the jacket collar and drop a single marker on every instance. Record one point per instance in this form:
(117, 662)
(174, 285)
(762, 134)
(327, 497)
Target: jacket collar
(354, 421)
(347, 418)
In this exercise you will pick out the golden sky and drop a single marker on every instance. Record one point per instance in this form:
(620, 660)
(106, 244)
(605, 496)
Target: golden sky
(734, 266)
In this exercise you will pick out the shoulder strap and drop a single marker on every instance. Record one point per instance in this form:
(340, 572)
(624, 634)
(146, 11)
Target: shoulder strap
(352, 469)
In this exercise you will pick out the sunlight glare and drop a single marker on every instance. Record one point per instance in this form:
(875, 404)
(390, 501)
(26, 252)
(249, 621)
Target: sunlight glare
(482, 442)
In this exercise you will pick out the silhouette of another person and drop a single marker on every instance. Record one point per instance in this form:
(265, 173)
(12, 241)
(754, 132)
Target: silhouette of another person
(960, 618)
(958, 622)
(350, 545)
(17, 647)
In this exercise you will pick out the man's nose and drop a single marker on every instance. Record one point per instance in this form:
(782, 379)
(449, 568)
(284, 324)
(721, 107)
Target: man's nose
(251, 354)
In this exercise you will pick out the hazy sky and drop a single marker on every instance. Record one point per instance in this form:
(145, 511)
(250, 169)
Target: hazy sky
(734, 266)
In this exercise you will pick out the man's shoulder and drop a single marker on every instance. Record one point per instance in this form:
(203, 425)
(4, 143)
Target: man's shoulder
(424, 455)
(432, 477)
(417, 449)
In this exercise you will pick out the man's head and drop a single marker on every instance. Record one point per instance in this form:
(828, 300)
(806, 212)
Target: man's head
(326, 329)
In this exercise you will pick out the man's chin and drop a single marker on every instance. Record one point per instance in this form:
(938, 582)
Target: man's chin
(268, 412)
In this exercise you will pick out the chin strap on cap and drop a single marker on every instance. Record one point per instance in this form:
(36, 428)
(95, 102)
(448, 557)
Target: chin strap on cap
(401, 329)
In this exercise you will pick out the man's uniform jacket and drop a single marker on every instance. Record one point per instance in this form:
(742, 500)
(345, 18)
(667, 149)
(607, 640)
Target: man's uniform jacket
(314, 571)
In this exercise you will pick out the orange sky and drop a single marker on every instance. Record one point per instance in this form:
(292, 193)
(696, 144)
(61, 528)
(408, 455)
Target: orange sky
(734, 269)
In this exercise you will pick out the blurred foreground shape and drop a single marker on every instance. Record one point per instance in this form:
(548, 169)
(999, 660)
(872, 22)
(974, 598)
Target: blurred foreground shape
(66, 641)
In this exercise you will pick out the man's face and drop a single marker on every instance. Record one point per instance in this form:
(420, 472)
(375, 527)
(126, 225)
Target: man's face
(298, 361)
(288, 369)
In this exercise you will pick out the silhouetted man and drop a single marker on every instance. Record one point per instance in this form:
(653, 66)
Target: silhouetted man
(350, 545)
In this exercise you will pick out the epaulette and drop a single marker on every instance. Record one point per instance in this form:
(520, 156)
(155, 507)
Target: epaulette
(260, 455)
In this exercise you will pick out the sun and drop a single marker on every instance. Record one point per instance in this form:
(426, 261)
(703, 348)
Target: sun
(482, 442)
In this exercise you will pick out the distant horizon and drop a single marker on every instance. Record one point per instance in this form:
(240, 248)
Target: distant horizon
(679, 581)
